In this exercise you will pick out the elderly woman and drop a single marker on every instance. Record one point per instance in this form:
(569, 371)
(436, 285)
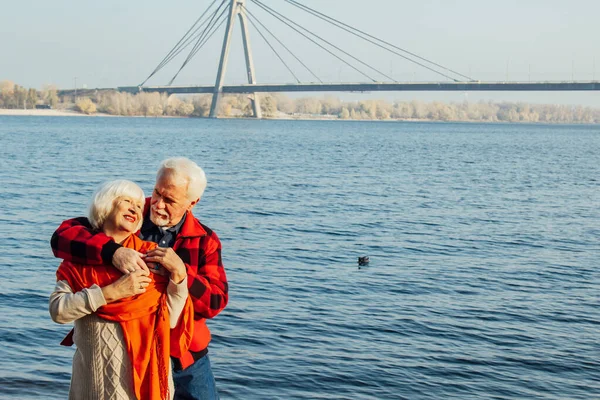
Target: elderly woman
(126, 326)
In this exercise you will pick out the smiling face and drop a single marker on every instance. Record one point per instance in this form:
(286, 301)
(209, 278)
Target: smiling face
(169, 201)
(124, 219)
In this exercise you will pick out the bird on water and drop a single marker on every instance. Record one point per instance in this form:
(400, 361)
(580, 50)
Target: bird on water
(364, 260)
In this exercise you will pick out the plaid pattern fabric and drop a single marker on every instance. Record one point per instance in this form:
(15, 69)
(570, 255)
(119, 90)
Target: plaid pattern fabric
(200, 249)
(196, 244)
(74, 241)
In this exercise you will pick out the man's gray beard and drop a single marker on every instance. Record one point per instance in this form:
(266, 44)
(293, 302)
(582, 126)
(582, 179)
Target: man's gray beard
(162, 222)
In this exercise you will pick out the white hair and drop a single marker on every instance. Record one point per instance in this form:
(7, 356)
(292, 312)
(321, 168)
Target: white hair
(104, 200)
(188, 170)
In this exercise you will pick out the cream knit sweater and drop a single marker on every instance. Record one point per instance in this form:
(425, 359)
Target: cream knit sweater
(101, 367)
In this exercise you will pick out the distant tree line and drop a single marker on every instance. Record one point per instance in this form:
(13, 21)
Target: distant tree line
(280, 106)
(15, 96)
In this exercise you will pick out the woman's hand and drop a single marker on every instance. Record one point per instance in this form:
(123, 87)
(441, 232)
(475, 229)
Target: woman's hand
(128, 285)
(167, 257)
(128, 260)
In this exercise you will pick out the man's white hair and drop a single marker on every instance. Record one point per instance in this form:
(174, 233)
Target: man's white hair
(104, 200)
(187, 170)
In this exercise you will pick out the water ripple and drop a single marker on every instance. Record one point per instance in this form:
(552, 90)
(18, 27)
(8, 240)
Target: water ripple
(483, 281)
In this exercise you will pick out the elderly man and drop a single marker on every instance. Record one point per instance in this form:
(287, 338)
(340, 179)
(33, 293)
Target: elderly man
(182, 239)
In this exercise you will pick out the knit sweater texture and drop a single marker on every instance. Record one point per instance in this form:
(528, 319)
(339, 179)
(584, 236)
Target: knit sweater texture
(101, 368)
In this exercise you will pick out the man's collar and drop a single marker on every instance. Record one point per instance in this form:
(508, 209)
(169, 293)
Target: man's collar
(175, 228)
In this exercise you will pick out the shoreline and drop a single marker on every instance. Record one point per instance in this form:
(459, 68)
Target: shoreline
(44, 113)
(71, 113)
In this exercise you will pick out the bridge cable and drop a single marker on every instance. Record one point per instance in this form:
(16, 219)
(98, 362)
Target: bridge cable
(206, 35)
(321, 15)
(204, 41)
(281, 43)
(279, 16)
(330, 44)
(179, 44)
(190, 37)
(215, 28)
(202, 38)
(314, 12)
(193, 38)
(178, 47)
(272, 48)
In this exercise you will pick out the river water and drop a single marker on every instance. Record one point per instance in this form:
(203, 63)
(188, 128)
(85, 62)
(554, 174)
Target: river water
(483, 239)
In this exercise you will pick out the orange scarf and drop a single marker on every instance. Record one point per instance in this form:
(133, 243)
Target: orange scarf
(144, 319)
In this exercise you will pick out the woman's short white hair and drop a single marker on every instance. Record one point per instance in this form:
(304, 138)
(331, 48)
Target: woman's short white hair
(104, 200)
(188, 170)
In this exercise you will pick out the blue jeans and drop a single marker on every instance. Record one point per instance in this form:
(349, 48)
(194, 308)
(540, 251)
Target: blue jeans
(196, 382)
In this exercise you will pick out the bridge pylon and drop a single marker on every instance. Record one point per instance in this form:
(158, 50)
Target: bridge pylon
(237, 9)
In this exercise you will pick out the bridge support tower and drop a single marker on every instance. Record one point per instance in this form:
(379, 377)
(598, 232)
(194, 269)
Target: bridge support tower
(237, 9)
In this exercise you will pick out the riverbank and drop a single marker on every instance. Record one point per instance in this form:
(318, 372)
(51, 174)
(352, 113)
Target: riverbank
(42, 113)
(72, 113)
(278, 116)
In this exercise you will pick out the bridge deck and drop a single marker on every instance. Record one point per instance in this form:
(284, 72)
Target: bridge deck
(378, 87)
(363, 87)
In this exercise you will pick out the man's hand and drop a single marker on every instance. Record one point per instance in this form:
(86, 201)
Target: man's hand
(128, 260)
(126, 286)
(167, 257)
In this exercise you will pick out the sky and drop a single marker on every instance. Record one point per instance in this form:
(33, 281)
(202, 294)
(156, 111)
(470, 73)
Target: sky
(113, 43)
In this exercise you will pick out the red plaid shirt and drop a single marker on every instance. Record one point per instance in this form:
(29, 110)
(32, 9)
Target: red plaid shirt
(196, 244)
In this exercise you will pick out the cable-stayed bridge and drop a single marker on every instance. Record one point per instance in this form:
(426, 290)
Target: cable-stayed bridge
(227, 12)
